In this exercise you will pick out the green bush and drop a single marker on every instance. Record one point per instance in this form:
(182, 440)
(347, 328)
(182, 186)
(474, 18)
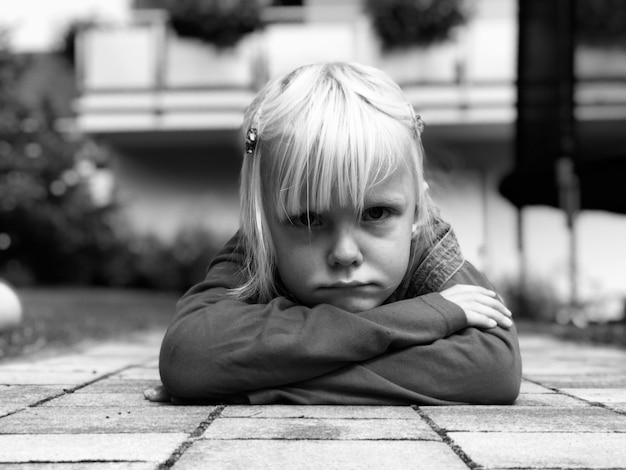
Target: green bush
(403, 23)
(51, 229)
(150, 263)
(219, 22)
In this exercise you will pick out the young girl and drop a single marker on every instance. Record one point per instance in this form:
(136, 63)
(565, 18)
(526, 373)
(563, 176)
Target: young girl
(342, 286)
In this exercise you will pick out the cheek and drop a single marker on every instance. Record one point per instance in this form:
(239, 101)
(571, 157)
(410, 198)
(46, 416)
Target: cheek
(396, 253)
(294, 262)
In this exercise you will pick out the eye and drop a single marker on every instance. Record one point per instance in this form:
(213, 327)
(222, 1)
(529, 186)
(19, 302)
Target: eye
(306, 219)
(376, 213)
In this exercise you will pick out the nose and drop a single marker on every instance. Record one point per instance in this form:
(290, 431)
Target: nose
(344, 249)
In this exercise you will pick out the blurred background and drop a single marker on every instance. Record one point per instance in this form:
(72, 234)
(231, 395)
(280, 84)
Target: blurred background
(120, 143)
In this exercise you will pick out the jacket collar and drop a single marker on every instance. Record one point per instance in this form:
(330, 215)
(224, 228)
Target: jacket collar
(435, 268)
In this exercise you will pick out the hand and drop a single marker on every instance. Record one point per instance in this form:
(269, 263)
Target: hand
(157, 394)
(482, 307)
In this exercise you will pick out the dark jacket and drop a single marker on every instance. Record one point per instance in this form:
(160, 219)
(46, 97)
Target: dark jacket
(415, 349)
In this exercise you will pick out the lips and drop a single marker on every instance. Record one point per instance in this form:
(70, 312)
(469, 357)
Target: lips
(347, 285)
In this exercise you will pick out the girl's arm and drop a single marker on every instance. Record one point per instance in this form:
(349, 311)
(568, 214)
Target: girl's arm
(217, 347)
(471, 366)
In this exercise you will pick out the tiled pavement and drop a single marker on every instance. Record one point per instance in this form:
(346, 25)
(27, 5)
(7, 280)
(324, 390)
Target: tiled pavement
(86, 410)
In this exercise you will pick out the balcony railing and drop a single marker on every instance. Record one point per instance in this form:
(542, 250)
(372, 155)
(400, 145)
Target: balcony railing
(141, 76)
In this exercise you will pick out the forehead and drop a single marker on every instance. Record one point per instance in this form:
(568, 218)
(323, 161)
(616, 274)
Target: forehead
(398, 185)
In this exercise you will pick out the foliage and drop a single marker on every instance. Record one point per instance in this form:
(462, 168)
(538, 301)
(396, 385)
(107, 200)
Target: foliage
(150, 263)
(601, 22)
(50, 225)
(52, 231)
(533, 300)
(220, 22)
(67, 46)
(403, 23)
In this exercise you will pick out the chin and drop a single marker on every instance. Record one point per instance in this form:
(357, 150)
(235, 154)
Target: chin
(355, 306)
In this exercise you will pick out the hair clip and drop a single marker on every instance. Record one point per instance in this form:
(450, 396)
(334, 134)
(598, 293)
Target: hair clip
(418, 123)
(251, 140)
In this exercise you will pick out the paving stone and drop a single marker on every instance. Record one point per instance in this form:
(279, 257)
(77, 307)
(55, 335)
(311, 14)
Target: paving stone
(619, 407)
(315, 455)
(601, 395)
(152, 363)
(565, 352)
(27, 394)
(18, 397)
(529, 387)
(8, 409)
(111, 385)
(79, 358)
(83, 361)
(544, 429)
(139, 373)
(583, 381)
(527, 419)
(544, 450)
(59, 365)
(43, 377)
(337, 429)
(549, 399)
(148, 447)
(115, 419)
(565, 368)
(329, 411)
(133, 399)
(136, 352)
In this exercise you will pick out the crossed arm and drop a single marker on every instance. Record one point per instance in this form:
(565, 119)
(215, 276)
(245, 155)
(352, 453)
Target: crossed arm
(418, 350)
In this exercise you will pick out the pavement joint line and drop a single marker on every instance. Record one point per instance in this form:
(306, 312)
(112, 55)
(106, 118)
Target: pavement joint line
(37, 403)
(70, 390)
(596, 404)
(74, 462)
(193, 437)
(447, 439)
(67, 391)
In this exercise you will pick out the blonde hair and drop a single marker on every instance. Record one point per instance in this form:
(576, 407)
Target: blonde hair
(322, 130)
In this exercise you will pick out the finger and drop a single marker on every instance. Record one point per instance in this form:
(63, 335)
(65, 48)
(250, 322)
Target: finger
(157, 394)
(495, 304)
(150, 394)
(481, 303)
(496, 315)
(480, 321)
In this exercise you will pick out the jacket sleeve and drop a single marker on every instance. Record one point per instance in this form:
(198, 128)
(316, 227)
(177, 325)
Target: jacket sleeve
(471, 366)
(219, 347)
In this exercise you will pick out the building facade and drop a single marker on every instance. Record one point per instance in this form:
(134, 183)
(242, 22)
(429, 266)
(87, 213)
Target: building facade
(170, 109)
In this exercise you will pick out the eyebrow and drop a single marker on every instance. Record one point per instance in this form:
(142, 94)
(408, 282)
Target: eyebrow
(385, 199)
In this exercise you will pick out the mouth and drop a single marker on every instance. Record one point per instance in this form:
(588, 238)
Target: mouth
(347, 285)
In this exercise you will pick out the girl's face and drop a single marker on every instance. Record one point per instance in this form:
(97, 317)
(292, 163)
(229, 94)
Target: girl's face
(340, 257)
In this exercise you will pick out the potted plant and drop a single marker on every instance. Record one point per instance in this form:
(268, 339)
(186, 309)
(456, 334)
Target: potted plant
(219, 22)
(405, 23)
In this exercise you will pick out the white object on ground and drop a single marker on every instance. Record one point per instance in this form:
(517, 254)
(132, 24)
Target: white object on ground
(10, 307)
